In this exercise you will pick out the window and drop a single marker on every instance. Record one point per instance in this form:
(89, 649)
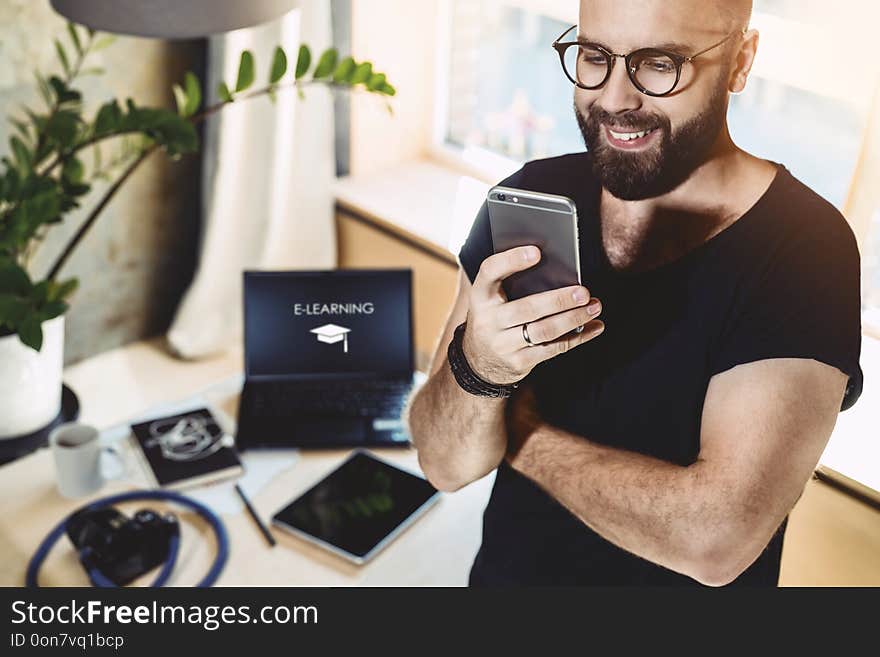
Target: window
(506, 96)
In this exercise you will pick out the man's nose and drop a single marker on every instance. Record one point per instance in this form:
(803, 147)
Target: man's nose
(619, 93)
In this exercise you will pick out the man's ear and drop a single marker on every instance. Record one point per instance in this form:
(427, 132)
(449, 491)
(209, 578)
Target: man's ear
(745, 57)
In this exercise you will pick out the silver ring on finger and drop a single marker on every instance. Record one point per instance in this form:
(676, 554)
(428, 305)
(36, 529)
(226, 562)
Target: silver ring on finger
(525, 332)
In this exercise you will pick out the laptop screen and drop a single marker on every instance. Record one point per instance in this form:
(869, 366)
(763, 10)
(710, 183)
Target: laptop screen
(331, 322)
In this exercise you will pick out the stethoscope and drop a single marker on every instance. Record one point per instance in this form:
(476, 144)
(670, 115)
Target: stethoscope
(99, 579)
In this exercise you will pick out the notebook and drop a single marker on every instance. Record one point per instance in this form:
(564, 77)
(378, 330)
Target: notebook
(186, 449)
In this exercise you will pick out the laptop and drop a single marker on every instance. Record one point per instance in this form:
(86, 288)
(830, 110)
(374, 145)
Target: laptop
(328, 358)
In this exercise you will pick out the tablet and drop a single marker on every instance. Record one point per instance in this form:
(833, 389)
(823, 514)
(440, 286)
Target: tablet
(359, 508)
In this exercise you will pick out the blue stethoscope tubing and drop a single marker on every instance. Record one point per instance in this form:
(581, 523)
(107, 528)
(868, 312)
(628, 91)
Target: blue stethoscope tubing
(99, 579)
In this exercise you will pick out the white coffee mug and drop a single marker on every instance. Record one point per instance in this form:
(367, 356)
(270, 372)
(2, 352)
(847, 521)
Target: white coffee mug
(77, 450)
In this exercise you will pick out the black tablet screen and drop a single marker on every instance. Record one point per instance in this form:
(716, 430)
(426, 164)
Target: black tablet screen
(358, 504)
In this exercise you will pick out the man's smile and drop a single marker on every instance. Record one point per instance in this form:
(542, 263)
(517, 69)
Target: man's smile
(630, 140)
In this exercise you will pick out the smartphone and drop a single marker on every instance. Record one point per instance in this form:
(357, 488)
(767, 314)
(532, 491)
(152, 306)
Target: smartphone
(519, 218)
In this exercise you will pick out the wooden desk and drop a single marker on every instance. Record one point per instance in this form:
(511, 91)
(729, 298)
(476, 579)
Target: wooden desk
(832, 539)
(437, 550)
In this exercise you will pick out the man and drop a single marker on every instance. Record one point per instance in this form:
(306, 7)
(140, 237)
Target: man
(666, 442)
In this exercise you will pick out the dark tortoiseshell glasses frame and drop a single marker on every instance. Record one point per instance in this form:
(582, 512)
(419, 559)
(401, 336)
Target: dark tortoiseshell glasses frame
(678, 60)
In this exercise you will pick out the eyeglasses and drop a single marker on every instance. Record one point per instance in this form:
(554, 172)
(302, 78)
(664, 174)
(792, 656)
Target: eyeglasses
(653, 71)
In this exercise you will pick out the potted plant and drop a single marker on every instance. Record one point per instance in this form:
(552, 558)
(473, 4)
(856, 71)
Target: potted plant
(45, 175)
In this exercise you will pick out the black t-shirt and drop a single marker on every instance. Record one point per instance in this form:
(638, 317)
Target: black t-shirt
(780, 282)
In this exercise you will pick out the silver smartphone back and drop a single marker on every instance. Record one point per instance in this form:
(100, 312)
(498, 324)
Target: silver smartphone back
(519, 218)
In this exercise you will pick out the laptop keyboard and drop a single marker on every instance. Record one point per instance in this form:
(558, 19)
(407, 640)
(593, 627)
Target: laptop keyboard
(368, 398)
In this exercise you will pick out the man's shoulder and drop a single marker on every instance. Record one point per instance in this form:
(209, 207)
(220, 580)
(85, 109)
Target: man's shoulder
(812, 216)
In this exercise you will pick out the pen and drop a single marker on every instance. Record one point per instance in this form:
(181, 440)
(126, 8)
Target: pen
(253, 513)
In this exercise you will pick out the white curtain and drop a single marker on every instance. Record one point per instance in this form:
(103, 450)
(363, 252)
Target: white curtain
(267, 175)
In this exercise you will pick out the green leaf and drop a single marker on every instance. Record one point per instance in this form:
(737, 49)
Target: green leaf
(174, 133)
(179, 99)
(66, 204)
(22, 154)
(108, 119)
(361, 73)
(279, 65)
(13, 309)
(11, 181)
(156, 125)
(37, 120)
(30, 332)
(14, 279)
(51, 310)
(223, 93)
(376, 80)
(45, 90)
(73, 170)
(62, 57)
(303, 61)
(77, 189)
(60, 291)
(62, 128)
(245, 71)
(40, 206)
(387, 89)
(40, 292)
(326, 64)
(23, 129)
(344, 71)
(74, 37)
(193, 93)
(62, 92)
(37, 185)
(93, 70)
(103, 42)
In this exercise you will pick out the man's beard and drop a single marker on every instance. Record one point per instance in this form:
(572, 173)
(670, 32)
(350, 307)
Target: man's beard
(632, 175)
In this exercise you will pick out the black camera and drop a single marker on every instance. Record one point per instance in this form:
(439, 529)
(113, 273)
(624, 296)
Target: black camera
(121, 548)
(502, 197)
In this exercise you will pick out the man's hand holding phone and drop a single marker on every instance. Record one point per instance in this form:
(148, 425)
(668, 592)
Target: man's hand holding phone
(499, 332)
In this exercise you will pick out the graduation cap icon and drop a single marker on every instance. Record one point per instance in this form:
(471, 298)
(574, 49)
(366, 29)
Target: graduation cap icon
(331, 334)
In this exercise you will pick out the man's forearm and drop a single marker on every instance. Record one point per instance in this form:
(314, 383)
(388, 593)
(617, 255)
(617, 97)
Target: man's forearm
(459, 437)
(662, 512)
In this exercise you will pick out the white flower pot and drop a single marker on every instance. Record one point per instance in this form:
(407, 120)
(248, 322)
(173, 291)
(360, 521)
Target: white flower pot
(30, 381)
